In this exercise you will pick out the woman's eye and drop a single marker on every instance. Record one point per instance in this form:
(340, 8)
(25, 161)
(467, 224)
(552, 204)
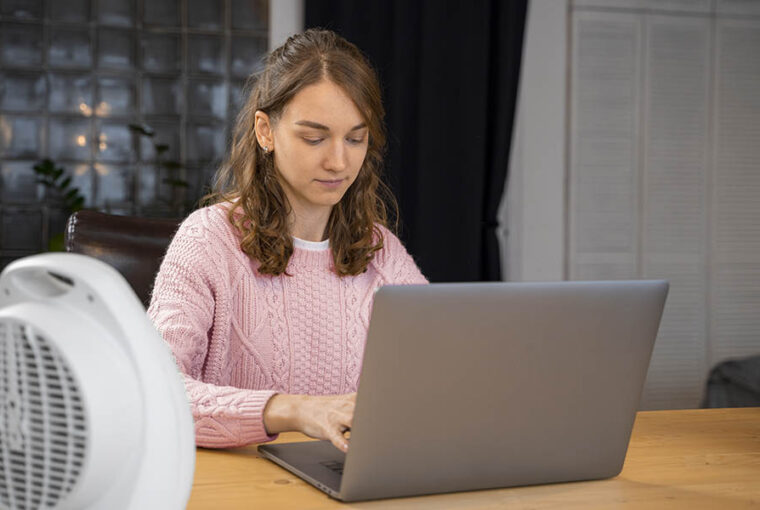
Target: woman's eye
(355, 141)
(312, 141)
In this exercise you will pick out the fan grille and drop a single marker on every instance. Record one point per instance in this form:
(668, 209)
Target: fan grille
(42, 421)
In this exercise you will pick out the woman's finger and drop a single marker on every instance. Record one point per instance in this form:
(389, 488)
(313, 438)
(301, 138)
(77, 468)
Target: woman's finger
(348, 421)
(342, 419)
(337, 439)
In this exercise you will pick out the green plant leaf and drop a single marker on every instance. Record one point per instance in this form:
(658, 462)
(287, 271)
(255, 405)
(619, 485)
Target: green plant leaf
(171, 165)
(142, 129)
(176, 182)
(44, 167)
(64, 194)
(77, 204)
(56, 242)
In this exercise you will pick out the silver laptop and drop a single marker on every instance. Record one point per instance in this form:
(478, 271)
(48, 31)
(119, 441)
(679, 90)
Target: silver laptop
(483, 385)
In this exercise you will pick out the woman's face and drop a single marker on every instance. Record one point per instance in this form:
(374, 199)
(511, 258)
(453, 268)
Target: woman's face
(319, 145)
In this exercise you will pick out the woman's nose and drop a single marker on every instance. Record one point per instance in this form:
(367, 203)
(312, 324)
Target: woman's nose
(336, 158)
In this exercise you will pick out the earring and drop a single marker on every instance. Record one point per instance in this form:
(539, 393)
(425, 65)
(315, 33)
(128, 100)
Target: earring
(266, 148)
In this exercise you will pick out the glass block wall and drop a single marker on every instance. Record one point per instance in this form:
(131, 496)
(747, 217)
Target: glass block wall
(74, 74)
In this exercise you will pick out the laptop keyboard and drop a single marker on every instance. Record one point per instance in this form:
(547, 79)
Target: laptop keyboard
(334, 465)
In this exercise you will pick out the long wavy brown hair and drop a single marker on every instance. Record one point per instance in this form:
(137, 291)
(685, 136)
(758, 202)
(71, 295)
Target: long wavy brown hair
(248, 177)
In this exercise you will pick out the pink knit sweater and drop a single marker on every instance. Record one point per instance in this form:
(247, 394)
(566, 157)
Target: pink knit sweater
(240, 337)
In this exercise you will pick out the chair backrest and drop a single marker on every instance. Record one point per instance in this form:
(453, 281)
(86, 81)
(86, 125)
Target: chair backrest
(132, 245)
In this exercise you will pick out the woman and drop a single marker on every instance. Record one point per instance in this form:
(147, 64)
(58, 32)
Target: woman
(265, 296)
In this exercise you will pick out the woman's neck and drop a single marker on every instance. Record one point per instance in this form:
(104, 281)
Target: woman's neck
(311, 225)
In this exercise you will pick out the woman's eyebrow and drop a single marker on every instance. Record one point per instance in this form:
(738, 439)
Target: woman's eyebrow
(316, 125)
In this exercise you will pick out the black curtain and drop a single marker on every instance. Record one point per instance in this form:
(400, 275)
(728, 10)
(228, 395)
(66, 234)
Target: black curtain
(449, 72)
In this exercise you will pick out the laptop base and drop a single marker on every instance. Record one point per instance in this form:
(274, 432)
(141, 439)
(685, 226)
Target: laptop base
(314, 461)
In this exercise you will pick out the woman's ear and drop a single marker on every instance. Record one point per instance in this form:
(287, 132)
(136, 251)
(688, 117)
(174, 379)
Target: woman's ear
(263, 129)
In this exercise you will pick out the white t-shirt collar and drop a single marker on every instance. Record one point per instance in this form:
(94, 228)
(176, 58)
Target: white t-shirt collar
(311, 245)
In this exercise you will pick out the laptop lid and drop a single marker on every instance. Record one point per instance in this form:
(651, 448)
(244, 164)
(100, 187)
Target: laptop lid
(483, 385)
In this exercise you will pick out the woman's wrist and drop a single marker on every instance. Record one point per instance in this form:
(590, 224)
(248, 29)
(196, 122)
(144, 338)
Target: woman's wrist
(281, 414)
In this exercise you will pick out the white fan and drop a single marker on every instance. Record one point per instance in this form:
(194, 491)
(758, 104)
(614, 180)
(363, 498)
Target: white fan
(93, 411)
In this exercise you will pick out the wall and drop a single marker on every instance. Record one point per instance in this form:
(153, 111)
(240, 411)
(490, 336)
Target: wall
(285, 19)
(661, 175)
(75, 73)
(532, 213)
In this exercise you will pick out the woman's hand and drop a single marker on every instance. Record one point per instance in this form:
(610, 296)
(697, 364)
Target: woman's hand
(320, 417)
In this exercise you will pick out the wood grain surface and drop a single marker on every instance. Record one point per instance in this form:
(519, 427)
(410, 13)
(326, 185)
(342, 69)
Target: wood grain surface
(695, 459)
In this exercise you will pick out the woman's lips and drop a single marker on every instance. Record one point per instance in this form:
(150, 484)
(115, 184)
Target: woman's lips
(330, 184)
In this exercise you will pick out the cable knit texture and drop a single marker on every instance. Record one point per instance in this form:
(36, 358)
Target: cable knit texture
(240, 337)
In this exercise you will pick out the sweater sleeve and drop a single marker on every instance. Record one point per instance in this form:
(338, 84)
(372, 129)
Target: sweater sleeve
(395, 263)
(183, 310)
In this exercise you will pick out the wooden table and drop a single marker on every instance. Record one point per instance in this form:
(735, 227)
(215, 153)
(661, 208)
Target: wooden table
(676, 459)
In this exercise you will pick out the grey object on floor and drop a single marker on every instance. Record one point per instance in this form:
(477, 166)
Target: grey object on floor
(734, 383)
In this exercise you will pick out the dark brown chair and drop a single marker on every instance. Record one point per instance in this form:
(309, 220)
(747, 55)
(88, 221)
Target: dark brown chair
(132, 245)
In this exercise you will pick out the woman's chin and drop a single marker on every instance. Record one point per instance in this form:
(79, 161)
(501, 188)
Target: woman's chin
(330, 199)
